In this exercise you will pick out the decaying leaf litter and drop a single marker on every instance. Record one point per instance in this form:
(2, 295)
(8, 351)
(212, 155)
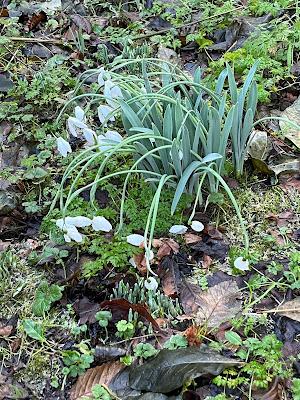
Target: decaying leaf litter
(81, 316)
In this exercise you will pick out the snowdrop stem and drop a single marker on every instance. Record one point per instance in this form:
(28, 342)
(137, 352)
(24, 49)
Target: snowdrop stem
(199, 193)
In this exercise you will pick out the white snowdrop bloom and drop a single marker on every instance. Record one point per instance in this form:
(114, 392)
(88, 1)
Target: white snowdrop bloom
(151, 284)
(149, 254)
(79, 113)
(101, 76)
(103, 146)
(60, 223)
(178, 229)
(103, 112)
(79, 222)
(101, 224)
(135, 239)
(132, 262)
(241, 264)
(63, 146)
(197, 226)
(74, 123)
(112, 92)
(89, 135)
(73, 234)
(180, 154)
(114, 136)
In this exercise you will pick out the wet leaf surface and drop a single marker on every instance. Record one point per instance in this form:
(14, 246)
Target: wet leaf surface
(176, 366)
(86, 310)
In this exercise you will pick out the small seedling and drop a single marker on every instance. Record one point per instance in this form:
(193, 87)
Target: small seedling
(176, 342)
(125, 329)
(145, 350)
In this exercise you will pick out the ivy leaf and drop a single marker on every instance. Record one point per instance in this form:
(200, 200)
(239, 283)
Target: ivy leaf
(45, 295)
(34, 330)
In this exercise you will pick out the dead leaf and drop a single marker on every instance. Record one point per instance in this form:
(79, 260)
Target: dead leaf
(207, 261)
(170, 276)
(82, 23)
(274, 393)
(35, 21)
(101, 375)
(213, 232)
(193, 335)
(289, 309)
(108, 353)
(283, 218)
(191, 238)
(86, 310)
(141, 264)
(125, 305)
(213, 248)
(292, 114)
(6, 330)
(214, 306)
(4, 12)
(288, 182)
(171, 368)
(165, 246)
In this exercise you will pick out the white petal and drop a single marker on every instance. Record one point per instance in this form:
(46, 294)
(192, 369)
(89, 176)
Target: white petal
(60, 223)
(178, 229)
(151, 284)
(115, 92)
(102, 143)
(89, 135)
(241, 264)
(73, 234)
(197, 226)
(103, 112)
(135, 239)
(114, 136)
(67, 238)
(63, 146)
(79, 113)
(72, 128)
(77, 122)
(132, 262)
(100, 76)
(79, 222)
(149, 254)
(101, 224)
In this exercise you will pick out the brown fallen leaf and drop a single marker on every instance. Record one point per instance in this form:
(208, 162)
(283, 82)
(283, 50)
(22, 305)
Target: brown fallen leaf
(290, 182)
(273, 393)
(170, 276)
(125, 305)
(141, 264)
(86, 310)
(193, 335)
(6, 330)
(289, 309)
(35, 20)
(191, 238)
(166, 247)
(283, 218)
(211, 307)
(100, 375)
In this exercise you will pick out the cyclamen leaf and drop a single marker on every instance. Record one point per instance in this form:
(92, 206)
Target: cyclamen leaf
(34, 330)
(44, 297)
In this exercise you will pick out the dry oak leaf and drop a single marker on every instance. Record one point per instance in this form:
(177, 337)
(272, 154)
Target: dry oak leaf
(100, 375)
(214, 306)
(165, 246)
(290, 309)
(191, 238)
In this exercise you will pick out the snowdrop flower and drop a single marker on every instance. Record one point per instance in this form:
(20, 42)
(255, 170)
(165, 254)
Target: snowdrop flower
(197, 226)
(101, 224)
(151, 284)
(89, 135)
(70, 224)
(149, 254)
(114, 136)
(103, 112)
(135, 239)
(72, 233)
(132, 262)
(63, 146)
(79, 113)
(74, 123)
(101, 76)
(111, 92)
(178, 229)
(241, 264)
(108, 140)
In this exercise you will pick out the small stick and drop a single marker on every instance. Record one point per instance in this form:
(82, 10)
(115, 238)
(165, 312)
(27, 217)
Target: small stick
(37, 40)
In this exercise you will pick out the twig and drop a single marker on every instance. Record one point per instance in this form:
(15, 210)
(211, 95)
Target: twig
(37, 40)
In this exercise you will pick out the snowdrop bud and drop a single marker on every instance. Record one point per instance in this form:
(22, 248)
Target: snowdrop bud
(73, 234)
(101, 76)
(151, 284)
(114, 136)
(79, 113)
(178, 229)
(241, 264)
(197, 226)
(103, 112)
(79, 222)
(101, 224)
(89, 135)
(132, 262)
(135, 239)
(63, 146)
